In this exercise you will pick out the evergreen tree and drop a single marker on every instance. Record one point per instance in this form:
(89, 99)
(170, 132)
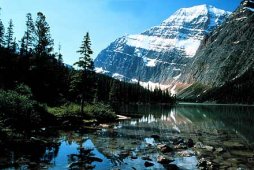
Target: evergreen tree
(22, 47)
(82, 80)
(1, 34)
(14, 46)
(113, 93)
(59, 55)
(43, 42)
(29, 35)
(85, 62)
(9, 35)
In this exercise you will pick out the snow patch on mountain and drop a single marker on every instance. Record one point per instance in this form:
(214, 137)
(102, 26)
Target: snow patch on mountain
(173, 89)
(187, 15)
(177, 77)
(176, 31)
(151, 63)
(160, 53)
(118, 76)
(159, 44)
(100, 70)
(151, 85)
(250, 9)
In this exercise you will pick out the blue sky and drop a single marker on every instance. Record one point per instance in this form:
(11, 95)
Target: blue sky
(105, 20)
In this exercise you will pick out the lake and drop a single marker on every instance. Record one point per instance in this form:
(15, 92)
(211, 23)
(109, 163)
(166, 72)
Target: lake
(223, 137)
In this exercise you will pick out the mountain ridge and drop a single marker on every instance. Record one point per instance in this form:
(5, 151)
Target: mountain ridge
(224, 57)
(160, 53)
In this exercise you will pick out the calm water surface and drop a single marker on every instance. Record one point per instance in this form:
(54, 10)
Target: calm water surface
(125, 143)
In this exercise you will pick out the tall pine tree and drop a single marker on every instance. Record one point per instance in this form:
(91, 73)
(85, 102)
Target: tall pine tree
(1, 33)
(43, 42)
(85, 62)
(22, 51)
(82, 80)
(59, 55)
(14, 46)
(29, 36)
(9, 35)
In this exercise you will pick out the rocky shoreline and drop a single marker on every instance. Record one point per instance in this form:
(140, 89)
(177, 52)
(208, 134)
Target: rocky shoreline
(219, 150)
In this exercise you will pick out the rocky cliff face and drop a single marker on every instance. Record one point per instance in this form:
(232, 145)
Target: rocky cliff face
(162, 52)
(226, 55)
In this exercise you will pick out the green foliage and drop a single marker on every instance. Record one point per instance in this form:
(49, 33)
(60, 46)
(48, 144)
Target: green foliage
(19, 111)
(9, 35)
(82, 81)
(29, 36)
(24, 90)
(76, 82)
(115, 91)
(65, 110)
(54, 83)
(43, 42)
(97, 111)
(85, 61)
(100, 112)
(1, 34)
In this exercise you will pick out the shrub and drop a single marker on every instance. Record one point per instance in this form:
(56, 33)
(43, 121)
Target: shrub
(100, 112)
(24, 90)
(19, 111)
(97, 111)
(66, 110)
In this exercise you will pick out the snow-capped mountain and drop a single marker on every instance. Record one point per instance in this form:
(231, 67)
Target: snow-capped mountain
(160, 54)
(223, 67)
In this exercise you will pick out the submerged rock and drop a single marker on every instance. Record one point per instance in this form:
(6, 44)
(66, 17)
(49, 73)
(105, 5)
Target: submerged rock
(234, 145)
(209, 148)
(219, 150)
(180, 146)
(146, 158)
(148, 164)
(80, 164)
(163, 160)
(202, 163)
(205, 164)
(244, 153)
(134, 157)
(124, 154)
(190, 143)
(33, 164)
(37, 140)
(22, 161)
(164, 148)
(171, 167)
(155, 136)
(178, 140)
(199, 145)
(187, 153)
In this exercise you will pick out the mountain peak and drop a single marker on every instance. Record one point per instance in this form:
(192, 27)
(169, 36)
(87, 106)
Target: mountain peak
(195, 13)
(161, 52)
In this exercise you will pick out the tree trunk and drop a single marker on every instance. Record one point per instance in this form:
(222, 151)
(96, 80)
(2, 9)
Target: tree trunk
(82, 105)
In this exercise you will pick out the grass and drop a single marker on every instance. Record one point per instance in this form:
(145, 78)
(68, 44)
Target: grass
(98, 111)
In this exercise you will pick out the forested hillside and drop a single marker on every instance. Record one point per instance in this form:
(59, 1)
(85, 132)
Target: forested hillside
(33, 62)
